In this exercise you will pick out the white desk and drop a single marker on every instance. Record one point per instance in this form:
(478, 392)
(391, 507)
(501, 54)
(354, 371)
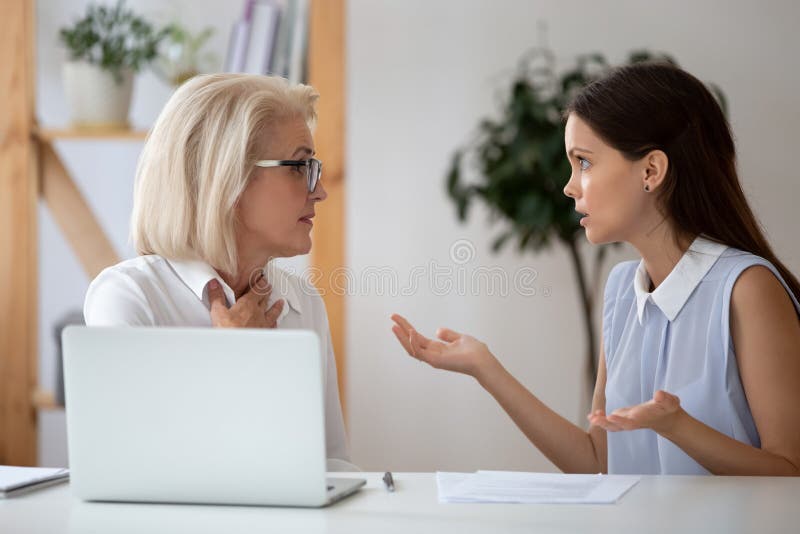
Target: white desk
(655, 504)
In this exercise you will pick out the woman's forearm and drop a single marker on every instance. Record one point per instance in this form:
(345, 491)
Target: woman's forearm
(723, 455)
(569, 447)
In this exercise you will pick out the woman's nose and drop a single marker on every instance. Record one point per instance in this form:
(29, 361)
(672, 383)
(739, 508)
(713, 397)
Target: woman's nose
(319, 194)
(571, 189)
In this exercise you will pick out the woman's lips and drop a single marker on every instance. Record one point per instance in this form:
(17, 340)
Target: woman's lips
(307, 220)
(584, 220)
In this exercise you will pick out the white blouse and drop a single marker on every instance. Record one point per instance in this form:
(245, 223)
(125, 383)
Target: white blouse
(153, 291)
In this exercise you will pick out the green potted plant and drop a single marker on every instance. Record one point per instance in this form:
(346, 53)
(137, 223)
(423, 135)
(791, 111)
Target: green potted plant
(522, 170)
(106, 48)
(180, 55)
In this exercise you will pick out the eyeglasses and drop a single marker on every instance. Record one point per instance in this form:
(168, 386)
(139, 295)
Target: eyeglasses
(313, 168)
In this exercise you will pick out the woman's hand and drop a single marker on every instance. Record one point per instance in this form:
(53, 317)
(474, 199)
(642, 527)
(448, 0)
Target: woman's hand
(249, 311)
(452, 351)
(658, 414)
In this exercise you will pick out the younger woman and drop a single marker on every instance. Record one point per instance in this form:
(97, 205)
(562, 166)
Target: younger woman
(700, 356)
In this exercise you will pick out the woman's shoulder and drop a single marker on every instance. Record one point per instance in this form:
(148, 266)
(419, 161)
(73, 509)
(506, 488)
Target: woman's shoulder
(118, 295)
(733, 259)
(133, 266)
(748, 277)
(135, 270)
(733, 264)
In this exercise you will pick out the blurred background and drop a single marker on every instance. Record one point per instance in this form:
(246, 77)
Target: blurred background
(419, 77)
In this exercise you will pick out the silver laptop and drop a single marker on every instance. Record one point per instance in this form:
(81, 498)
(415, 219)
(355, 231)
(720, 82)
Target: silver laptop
(197, 415)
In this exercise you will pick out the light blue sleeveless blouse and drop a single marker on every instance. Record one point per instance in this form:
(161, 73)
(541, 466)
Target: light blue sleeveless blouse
(677, 339)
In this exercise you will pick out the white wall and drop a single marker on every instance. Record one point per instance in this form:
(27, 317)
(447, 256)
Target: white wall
(420, 75)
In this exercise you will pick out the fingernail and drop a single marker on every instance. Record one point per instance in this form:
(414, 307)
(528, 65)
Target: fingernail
(213, 284)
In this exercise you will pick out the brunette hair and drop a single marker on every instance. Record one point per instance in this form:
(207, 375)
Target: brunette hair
(658, 106)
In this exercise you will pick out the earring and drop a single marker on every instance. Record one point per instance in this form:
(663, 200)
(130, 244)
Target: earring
(647, 187)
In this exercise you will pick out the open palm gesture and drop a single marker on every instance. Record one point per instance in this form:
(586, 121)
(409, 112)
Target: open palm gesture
(451, 351)
(657, 414)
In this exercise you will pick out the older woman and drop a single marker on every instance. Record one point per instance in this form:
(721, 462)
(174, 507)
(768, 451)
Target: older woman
(226, 182)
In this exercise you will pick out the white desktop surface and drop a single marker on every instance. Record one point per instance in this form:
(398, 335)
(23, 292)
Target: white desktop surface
(655, 504)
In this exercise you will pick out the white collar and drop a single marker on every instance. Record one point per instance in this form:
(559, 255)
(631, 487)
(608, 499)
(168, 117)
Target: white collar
(197, 274)
(671, 295)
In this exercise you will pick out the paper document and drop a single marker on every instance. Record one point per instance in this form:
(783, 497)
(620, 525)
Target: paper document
(13, 479)
(532, 488)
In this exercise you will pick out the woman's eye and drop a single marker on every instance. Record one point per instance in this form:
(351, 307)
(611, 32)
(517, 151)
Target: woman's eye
(584, 164)
(300, 169)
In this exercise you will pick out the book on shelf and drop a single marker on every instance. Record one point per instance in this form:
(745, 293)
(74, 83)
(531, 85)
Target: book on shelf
(271, 38)
(280, 56)
(239, 40)
(264, 24)
(299, 46)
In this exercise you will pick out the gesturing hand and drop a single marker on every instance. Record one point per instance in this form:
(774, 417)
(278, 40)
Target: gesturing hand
(249, 311)
(658, 414)
(452, 351)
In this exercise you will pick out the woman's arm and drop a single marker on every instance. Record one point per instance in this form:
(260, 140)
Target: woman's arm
(569, 447)
(766, 335)
(335, 435)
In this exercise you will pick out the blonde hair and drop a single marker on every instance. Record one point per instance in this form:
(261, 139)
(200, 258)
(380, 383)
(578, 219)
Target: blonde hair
(197, 161)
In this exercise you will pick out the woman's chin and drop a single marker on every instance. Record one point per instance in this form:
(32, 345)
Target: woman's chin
(596, 239)
(303, 246)
(297, 247)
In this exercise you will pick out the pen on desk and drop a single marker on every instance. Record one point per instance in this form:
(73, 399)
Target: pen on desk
(388, 481)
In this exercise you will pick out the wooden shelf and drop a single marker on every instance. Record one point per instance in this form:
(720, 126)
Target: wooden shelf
(100, 134)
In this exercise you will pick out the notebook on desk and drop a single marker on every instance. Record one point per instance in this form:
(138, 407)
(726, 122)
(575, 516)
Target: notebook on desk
(18, 480)
(197, 415)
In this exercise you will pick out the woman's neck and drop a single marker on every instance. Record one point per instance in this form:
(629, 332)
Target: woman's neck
(660, 251)
(250, 266)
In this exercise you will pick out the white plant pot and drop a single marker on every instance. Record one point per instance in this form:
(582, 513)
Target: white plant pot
(95, 98)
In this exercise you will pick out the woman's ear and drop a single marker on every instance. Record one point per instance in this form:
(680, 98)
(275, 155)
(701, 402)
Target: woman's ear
(655, 165)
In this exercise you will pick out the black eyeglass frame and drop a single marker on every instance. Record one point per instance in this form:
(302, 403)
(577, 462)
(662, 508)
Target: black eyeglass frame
(313, 168)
